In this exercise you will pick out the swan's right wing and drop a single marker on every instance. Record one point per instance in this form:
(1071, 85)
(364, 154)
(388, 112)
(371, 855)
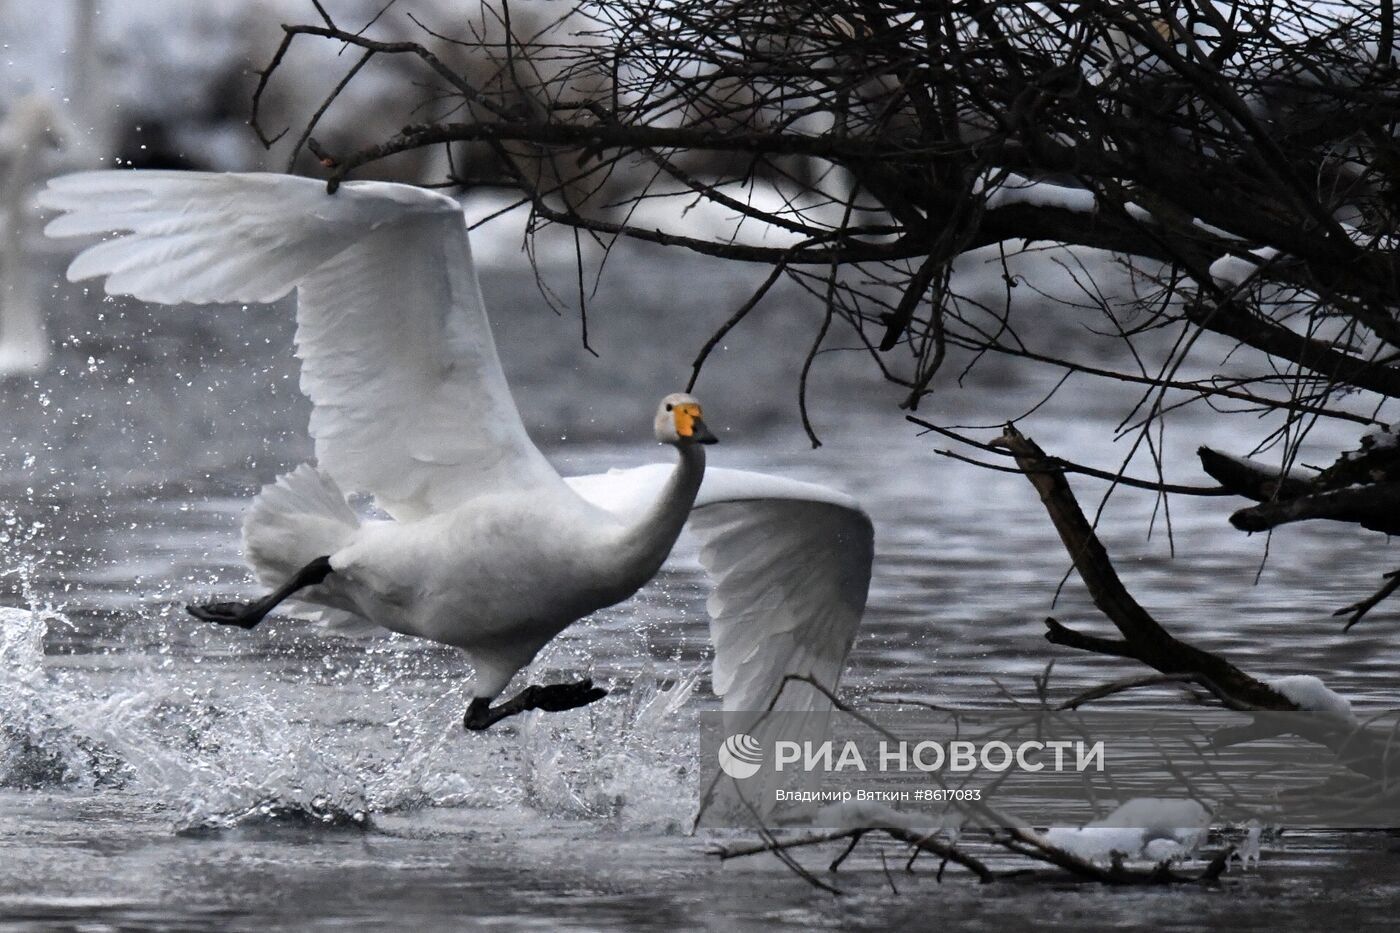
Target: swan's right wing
(790, 566)
(410, 401)
(790, 563)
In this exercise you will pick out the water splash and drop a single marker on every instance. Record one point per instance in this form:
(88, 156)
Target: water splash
(254, 748)
(631, 762)
(39, 745)
(318, 813)
(324, 733)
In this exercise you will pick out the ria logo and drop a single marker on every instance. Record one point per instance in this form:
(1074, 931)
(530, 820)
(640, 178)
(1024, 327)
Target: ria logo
(740, 756)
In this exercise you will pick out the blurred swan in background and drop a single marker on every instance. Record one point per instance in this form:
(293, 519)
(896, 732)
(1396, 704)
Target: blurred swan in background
(27, 129)
(43, 132)
(489, 548)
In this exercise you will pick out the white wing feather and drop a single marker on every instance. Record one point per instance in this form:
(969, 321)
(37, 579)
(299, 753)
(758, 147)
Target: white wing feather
(410, 401)
(790, 563)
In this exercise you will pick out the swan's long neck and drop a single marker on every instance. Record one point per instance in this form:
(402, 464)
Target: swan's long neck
(646, 543)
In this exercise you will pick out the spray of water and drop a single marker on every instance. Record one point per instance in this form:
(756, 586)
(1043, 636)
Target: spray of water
(40, 747)
(330, 740)
(629, 763)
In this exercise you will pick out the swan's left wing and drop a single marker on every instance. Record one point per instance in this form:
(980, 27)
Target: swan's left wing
(410, 403)
(790, 563)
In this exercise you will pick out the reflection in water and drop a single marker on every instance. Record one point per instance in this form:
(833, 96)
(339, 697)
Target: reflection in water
(152, 769)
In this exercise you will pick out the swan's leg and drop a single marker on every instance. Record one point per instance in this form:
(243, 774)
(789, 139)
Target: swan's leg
(551, 698)
(247, 615)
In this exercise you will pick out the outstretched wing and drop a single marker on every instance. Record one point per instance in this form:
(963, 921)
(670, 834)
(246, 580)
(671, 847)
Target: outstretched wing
(790, 563)
(397, 357)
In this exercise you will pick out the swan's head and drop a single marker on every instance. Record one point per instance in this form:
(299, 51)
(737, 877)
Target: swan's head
(679, 422)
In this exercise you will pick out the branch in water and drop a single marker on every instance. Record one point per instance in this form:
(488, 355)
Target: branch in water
(1144, 639)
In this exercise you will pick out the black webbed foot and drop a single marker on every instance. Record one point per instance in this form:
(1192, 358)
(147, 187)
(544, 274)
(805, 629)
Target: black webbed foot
(552, 698)
(243, 615)
(248, 615)
(555, 698)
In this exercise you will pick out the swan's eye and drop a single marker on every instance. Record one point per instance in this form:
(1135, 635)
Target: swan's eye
(668, 406)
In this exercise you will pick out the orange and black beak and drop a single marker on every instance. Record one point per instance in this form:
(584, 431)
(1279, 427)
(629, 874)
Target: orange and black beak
(690, 425)
(701, 434)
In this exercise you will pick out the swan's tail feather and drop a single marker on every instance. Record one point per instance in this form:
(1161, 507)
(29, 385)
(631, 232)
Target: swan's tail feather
(295, 520)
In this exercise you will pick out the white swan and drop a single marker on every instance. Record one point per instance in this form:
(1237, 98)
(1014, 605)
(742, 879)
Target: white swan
(27, 128)
(490, 549)
(32, 127)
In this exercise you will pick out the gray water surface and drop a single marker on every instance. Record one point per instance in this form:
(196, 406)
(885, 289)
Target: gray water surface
(157, 773)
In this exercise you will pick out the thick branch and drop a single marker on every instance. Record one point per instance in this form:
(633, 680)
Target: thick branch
(1144, 639)
(1375, 506)
(600, 136)
(1277, 340)
(1250, 479)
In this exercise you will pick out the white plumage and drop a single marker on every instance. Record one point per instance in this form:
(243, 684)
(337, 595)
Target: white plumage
(26, 130)
(790, 564)
(490, 549)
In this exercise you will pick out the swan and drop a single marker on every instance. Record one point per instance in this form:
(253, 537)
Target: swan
(28, 127)
(487, 548)
(32, 127)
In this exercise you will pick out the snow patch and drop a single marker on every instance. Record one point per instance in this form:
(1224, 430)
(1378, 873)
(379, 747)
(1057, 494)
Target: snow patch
(1234, 271)
(1137, 212)
(1157, 829)
(1017, 190)
(1311, 694)
(1382, 439)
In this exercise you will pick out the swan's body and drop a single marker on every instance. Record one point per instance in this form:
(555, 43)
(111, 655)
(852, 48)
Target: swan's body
(456, 577)
(490, 549)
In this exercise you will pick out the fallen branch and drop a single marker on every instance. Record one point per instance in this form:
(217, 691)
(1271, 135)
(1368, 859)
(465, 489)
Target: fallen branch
(1116, 687)
(1144, 639)
(998, 829)
(1023, 842)
(1375, 506)
(921, 843)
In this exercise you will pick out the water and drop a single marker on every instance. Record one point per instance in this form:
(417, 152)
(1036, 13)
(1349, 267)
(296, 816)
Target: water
(154, 772)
